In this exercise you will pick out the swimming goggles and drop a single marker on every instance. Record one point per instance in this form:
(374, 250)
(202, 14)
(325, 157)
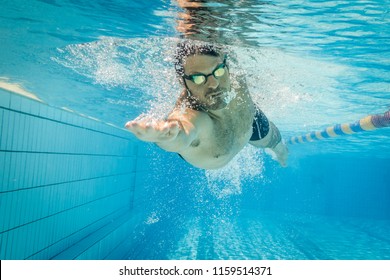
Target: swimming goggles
(200, 79)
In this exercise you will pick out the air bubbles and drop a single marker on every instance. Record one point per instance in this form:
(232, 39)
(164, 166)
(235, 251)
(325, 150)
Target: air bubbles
(144, 64)
(229, 96)
(245, 166)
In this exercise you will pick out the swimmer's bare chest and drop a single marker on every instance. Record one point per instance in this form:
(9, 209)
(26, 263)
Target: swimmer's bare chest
(228, 133)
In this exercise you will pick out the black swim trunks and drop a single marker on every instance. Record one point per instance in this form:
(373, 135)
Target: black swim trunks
(260, 126)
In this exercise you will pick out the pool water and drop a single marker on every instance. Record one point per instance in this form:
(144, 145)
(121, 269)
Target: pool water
(309, 64)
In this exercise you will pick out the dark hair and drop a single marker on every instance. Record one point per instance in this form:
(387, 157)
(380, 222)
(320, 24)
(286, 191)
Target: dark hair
(187, 48)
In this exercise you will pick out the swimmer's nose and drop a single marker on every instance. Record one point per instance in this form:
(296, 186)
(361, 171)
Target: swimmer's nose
(212, 82)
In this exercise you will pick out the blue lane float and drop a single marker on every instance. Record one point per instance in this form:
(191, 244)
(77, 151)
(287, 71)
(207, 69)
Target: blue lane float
(367, 123)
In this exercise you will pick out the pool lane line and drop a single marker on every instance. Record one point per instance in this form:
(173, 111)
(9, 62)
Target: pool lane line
(367, 123)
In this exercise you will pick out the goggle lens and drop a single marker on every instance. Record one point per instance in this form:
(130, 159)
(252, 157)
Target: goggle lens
(219, 72)
(198, 79)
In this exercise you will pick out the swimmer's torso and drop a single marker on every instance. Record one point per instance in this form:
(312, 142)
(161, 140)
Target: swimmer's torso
(222, 135)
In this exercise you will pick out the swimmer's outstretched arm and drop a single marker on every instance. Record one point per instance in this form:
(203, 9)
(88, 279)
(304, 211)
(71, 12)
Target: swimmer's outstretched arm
(174, 134)
(154, 131)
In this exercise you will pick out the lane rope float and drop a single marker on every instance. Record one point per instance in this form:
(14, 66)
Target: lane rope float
(367, 123)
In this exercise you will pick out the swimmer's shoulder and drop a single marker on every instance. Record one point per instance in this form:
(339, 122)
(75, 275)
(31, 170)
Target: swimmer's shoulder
(186, 114)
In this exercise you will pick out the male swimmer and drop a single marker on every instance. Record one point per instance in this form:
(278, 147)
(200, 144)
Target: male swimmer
(214, 118)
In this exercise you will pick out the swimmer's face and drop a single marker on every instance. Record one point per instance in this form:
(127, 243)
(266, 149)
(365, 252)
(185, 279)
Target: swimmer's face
(207, 79)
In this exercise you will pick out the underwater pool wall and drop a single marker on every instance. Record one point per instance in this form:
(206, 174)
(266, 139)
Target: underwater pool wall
(66, 183)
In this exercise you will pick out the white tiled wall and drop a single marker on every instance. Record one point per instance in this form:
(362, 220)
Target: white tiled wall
(66, 182)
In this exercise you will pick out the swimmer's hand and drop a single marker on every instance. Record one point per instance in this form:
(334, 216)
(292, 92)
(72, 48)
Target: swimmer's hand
(279, 153)
(156, 131)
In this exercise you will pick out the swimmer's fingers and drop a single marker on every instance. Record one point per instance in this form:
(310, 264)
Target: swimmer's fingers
(156, 126)
(129, 125)
(155, 131)
(134, 126)
(140, 129)
(139, 126)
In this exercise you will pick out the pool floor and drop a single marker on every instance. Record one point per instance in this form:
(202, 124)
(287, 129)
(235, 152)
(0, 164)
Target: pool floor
(265, 236)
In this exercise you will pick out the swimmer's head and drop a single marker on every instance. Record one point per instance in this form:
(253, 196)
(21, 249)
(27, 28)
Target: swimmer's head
(203, 72)
(188, 48)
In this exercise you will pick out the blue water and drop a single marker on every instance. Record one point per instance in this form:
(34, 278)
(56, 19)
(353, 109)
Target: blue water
(310, 64)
